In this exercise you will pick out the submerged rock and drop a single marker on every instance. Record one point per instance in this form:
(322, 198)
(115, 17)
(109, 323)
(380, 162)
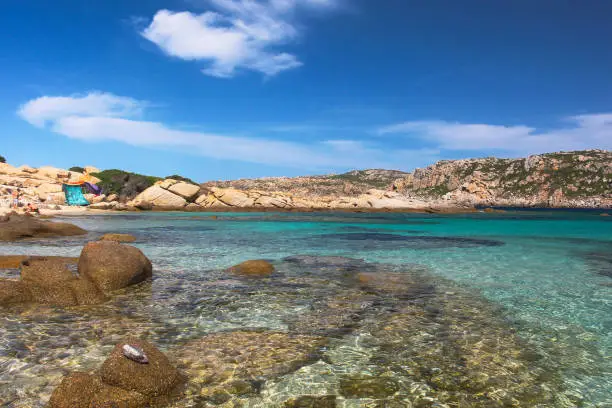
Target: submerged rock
(371, 240)
(311, 401)
(118, 237)
(255, 268)
(15, 227)
(223, 365)
(114, 266)
(368, 387)
(121, 382)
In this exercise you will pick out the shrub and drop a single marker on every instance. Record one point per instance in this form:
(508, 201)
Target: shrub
(77, 169)
(125, 184)
(2, 159)
(181, 178)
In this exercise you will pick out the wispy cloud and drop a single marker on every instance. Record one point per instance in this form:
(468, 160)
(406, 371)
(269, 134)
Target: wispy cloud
(106, 117)
(238, 34)
(579, 132)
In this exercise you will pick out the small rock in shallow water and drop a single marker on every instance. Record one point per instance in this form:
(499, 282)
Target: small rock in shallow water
(254, 268)
(135, 354)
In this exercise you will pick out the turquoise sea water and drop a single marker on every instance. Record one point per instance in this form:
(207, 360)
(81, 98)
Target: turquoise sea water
(511, 301)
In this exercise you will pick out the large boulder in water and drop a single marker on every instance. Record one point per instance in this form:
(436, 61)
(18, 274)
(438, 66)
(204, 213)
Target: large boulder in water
(155, 378)
(15, 227)
(254, 268)
(113, 266)
(50, 281)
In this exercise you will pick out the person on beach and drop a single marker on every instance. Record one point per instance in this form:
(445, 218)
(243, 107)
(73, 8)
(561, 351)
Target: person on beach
(32, 209)
(15, 194)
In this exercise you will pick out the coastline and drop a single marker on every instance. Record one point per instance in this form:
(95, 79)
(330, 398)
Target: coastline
(431, 210)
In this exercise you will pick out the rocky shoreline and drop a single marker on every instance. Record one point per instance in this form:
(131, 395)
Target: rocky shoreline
(555, 180)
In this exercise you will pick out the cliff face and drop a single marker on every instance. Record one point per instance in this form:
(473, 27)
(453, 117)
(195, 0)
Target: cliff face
(566, 179)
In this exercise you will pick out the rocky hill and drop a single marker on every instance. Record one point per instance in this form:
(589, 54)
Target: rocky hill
(353, 183)
(564, 179)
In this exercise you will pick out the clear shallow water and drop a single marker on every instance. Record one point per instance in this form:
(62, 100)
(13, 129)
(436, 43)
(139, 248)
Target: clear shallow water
(469, 310)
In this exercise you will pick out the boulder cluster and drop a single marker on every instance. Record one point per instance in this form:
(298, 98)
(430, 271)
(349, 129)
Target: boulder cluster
(102, 268)
(42, 185)
(166, 196)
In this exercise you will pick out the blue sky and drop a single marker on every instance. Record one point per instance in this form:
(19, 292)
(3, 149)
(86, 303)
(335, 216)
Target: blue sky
(221, 89)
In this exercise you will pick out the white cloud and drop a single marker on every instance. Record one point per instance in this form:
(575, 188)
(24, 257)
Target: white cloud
(582, 132)
(106, 117)
(48, 109)
(240, 34)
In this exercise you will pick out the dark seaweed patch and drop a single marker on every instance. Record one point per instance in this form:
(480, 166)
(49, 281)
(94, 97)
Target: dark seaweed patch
(600, 262)
(375, 240)
(175, 228)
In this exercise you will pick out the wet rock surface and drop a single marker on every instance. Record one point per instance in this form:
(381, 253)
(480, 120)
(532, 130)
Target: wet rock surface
(121, 382)
(14, 261)
(224, 365)
(13, 291)
(126, 238)
(103, 267)
(253, 269)
(154, 378)
(112, 266)
(52, 281)
(14, 227)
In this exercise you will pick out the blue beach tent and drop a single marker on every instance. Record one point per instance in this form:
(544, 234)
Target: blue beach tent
(74, 195)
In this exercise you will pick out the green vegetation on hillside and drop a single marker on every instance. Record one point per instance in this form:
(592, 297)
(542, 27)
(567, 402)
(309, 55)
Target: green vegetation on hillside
(126, 185)
(77, 169)
(575, 174)
(2, 159)
(181, 178)
(381, 180)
